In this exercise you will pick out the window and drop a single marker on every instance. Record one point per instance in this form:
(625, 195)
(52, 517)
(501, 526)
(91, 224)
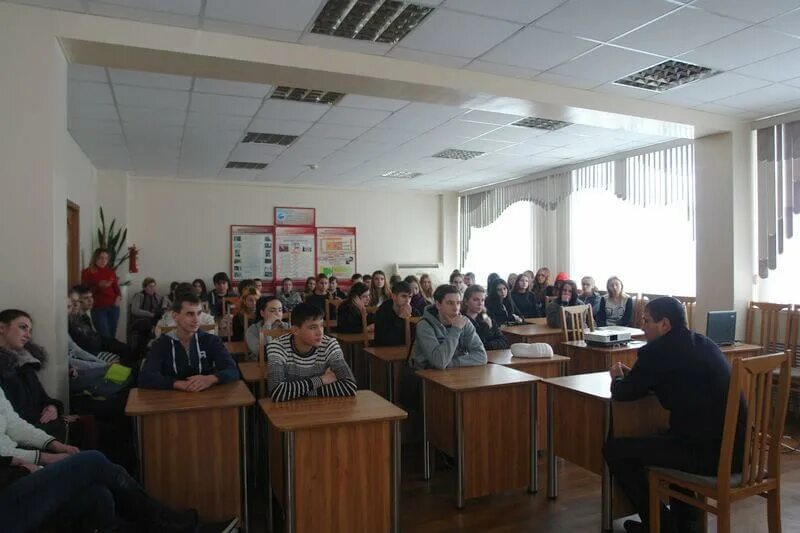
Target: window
(782, 286)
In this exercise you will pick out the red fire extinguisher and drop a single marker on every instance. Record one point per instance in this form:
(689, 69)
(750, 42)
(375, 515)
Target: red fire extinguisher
(133, 253)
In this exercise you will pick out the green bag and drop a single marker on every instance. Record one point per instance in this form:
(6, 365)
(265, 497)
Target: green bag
(118, 374)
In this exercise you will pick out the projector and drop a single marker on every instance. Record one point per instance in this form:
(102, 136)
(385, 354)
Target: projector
(608, 336)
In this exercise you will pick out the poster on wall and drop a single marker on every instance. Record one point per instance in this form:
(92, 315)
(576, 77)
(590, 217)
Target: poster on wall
(252, 253)
(336, 253)
(295, 255)
(295, 216)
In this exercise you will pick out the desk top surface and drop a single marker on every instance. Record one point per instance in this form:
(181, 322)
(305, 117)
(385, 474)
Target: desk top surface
(504, 357)
(388, 353)
(476, 377)
(352, 337)
(740, 348)
(236, 346)
(632, 345)
(251, 372)
(596, 384)
(150, 401)
(529, 330)
(542, 321)
(307, 413)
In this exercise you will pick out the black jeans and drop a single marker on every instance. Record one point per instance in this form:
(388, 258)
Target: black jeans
(628, 460)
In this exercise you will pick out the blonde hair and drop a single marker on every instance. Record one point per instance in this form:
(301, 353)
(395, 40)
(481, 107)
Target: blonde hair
(429, 292)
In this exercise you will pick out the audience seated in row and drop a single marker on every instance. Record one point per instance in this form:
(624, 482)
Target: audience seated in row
(474, 309)
(288, 297)
(349, 314)
(390, 318)
(270, 311)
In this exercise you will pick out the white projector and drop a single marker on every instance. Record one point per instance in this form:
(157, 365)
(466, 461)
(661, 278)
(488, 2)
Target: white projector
(608, 336)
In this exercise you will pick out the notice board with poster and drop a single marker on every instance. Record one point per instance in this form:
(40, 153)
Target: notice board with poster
(295, 216)
(252, 253)
(336, 252)
(295, 252)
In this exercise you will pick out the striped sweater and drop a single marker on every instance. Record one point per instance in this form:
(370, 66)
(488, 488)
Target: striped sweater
(291, 375)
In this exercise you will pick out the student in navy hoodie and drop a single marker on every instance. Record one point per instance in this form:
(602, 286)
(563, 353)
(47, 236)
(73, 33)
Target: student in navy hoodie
(187, 359)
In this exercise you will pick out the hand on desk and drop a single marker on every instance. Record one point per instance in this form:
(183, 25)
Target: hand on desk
(618, 370)
(195, 383)
(328, 377)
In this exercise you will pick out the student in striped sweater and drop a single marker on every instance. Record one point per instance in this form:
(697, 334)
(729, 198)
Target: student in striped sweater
(307, 363)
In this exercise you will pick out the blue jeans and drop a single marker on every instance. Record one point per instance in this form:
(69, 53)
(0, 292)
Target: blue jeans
(81, 486)
(105, 320)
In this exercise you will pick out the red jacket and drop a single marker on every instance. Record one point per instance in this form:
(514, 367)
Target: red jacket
(102, 297)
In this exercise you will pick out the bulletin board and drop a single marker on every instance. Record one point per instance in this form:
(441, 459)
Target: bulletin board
(295, 216)
(253, 253)
(336, 252)
(295, 252)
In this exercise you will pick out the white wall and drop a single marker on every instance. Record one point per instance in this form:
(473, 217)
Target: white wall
(75, 170)
(183, 227)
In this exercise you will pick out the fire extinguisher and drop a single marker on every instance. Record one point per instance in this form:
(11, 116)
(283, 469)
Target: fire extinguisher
(133, 253)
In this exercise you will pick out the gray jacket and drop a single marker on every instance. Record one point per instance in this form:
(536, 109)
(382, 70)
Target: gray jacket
(440, 346)
(253, 333)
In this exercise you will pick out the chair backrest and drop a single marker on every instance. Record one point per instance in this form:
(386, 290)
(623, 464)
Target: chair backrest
(574, 319)
(371, 309)
(407, 331)
(792, 329)
(689, 304)
(208, 328)
(639, 303)
(767, 336)
(330, 305)
(167, 329)
(766, 414)
(229, 303)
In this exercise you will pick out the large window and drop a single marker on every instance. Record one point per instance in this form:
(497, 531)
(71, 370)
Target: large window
(504, 246)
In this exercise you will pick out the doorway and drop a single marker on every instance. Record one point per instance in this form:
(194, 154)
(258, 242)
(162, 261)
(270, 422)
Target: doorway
(73, 244)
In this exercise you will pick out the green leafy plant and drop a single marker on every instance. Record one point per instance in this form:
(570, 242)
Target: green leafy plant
(112, 239)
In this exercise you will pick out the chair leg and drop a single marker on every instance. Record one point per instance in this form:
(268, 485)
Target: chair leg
(723, 517)
(774, 511)
(655, 503)
(704, 518)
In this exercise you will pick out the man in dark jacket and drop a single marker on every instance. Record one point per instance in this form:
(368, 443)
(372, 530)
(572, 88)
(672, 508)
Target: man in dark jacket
(85, 335)
(187, 359)
(690, 376)
(390, 318)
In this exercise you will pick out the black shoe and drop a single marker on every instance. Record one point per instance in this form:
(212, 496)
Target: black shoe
(224, 526)
(634, 526)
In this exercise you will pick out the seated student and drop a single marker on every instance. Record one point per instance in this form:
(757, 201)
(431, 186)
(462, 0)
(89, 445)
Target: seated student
(200, 289)
(367, 280)
(356, 278)
(540, 285)
(102, 359)
(390, 323)
(334, 292)
(288, 297)
(221, 290)
(567, 295)
(147, 307)
(690, 377)
(394, 278)
(444, 337)
(172, 286)
(320, 293)
(616, 307)
(500, 306)
(271, 312)
(526, 302)
(418, 303)
(349, 317)
(554, 289)
(311, 284)
(187, 359)
(378, 291)
(589, 295)
(491, 279)
(457, 281)
(167, 321)
(473, 308)
(83, 332)
(246, 310)
(426, 288)
(246, 284)
(307, 362)
(258, 285)
(469, 279)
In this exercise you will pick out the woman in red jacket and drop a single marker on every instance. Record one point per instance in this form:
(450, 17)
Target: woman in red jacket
(103, 282)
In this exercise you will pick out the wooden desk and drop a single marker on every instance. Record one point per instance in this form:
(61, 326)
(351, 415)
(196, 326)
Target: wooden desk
(542, 321)
(180, 433)
(529, 333)
(350, 343)
(585, 358)
(740, 350)
(389, 356)
(236, 347)
(485, 417)
(549, 367)
(251, 373)
(335, 462)
(579, 410)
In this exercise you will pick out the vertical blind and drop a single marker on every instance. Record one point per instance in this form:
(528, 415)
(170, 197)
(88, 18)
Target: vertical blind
(660, 177)
(778, 192)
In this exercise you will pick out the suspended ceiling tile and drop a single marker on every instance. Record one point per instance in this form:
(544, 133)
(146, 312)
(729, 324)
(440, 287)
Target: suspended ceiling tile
(150, 79)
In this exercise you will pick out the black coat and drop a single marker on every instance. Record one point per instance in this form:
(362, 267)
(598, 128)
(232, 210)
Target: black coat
(491, 337)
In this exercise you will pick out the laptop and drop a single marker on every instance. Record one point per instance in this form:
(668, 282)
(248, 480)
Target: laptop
(721, 327)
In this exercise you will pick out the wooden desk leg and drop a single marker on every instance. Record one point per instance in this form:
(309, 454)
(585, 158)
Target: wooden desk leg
(140, 447)
(245, 501)
(390, 381)
(270, 519)
(396, 449)
(534, 484)
(426, 445)
(552, 474)
(605, 497)
(369, 370)
(460, 450)
(288, 481)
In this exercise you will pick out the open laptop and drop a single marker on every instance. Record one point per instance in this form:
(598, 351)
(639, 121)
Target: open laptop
(721, 327)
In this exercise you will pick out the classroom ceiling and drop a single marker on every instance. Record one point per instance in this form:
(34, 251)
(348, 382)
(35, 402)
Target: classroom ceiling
(161, 125)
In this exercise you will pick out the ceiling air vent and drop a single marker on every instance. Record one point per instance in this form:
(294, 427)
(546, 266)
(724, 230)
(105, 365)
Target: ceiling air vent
(383, 21)
(455, 153)
(313, 96)
(244, 165)
(542, 123)
(666, 75)
(269, 138)
(401, 174)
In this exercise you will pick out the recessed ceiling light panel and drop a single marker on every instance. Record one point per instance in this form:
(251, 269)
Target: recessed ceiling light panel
(666, 75)
(245, 165)
(542, 123)
(455, 153)
(401, 174)
(313, 96)
(383, 21)
(269, 138)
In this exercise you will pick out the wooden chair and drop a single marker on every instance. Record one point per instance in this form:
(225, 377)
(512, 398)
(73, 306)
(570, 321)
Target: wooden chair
(330, 306)
(760, 475)
(371, 309)
(639, 303)
(208, 328)
(792, 349)
(229, 304)
(574, 319)
(689, 304)
(767, 336)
